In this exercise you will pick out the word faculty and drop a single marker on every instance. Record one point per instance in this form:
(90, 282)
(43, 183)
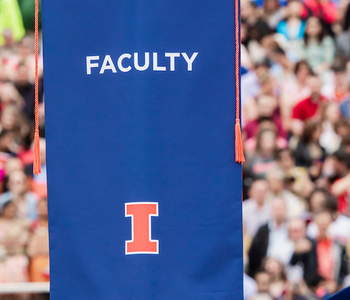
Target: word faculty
(126, 62)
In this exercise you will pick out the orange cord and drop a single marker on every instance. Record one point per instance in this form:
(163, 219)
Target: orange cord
(238, 133)
(37, 163)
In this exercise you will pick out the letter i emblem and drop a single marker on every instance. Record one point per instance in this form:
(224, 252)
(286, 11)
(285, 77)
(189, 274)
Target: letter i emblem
(141, 241)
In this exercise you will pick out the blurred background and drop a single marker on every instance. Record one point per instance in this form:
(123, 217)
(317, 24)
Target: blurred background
(24, 252)
(296, 132)
(296, 110)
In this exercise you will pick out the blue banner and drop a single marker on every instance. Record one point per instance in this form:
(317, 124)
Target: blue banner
(144, 191)
(342, 295)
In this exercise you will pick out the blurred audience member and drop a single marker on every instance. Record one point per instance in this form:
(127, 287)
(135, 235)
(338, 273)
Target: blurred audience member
(331, 256)
(329, 139)
(25, 201)
(308, 108)
(294, 90)
(256, 211)
(295, 206)
(262, 160)
(38, 247)
(317, 48)
(308, 151)
(278, 278)
(262, 280)
(304, 250)
(14, 234)
(271, 239)
(293, 27)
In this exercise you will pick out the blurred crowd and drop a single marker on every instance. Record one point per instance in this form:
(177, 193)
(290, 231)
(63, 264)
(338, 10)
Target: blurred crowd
(296, 130)
(24, 250)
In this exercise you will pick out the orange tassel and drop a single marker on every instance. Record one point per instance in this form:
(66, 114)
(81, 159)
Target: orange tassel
(37, 162)
(238, 143)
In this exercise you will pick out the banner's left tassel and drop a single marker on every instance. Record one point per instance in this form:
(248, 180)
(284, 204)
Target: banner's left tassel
(37, 162)
(238, 143)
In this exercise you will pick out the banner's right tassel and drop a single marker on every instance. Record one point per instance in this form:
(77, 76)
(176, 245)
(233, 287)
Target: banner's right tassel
(238, 133)
(238, 143)
(36, 163)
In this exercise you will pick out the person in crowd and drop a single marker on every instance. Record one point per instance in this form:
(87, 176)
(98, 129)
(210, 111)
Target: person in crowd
(309, 107)
(317, 201)
(342, 128)
(264, 123)
(342, 39)
(266, 108)
(8, 145)
(14, 234)
(26, 90)
(249, 286)
(13, 120)
(325, 11)
(9, 46)
(340, 179)
(256, 211)
(271, 239)
(281, 66)
(297, 179)
(308, 151)
(278, 277)
(330, 140)
(257, 28)
(295, 206)
(38, 246)
(331, 256)
(262, 279)
(293, 27)
(338, 90)
(294, 90)
(266, 84)
(286, 161)
(247, 241)
(10, 95)
(317, 48)
(26, 201)
(304, 255)
(345, 144)
(12, 164)
(339, 229)
(263, 159)
(273, 13)
(25, 56)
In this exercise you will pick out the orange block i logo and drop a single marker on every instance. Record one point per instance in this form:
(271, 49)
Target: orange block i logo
(141, 241)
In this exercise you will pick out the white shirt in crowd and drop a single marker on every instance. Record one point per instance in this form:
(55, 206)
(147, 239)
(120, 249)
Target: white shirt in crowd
(249, 287)
(255, 217)
(280, 246)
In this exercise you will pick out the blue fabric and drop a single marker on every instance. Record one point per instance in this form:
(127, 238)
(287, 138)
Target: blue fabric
(342, 295)
(135, 136)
